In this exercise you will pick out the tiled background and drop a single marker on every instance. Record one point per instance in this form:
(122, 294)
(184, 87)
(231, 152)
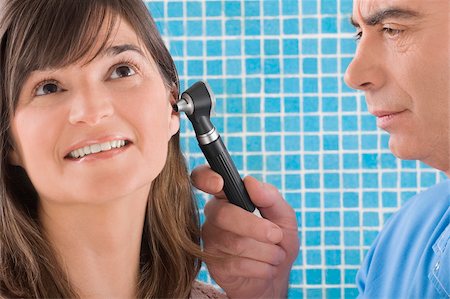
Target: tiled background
(288, 118)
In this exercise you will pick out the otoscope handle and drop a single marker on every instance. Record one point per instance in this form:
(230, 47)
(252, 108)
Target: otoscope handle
(220, 161)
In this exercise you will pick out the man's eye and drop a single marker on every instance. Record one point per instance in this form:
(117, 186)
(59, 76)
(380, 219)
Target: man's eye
(358, 35)
(391, 32)
(47, 88)
(122, 71)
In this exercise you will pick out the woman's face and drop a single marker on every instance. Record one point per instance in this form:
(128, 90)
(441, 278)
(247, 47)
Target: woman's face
(95, 130)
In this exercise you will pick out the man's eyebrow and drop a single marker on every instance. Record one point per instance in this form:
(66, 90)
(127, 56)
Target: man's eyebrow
(393, 12)
(117, 49)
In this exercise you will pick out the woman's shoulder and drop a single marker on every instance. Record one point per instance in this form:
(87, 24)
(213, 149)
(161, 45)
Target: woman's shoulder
(201, 290)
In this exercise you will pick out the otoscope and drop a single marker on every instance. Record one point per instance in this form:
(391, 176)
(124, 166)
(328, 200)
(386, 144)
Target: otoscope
(198, 102)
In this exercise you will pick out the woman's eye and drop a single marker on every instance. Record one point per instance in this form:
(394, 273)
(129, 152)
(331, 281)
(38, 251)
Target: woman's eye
(47, 88)
(122, 71)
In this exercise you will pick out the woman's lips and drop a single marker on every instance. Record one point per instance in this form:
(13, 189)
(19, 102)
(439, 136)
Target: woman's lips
(101, 155)
(97, 148)
(387, 118)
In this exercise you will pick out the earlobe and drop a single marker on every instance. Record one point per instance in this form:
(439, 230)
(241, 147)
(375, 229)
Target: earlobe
(174, 117)
(174, 122)
(14, 158)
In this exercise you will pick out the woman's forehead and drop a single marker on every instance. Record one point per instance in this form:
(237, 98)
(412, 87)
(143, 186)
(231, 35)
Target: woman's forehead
(111, 41)
(115, 34)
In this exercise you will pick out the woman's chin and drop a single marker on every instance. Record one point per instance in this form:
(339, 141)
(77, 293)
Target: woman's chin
(105, 193)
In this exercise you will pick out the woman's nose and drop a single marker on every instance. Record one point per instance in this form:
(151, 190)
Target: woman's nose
(366, 70)
(90, 106)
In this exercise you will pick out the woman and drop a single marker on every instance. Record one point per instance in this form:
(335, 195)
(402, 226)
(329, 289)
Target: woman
(95, 196)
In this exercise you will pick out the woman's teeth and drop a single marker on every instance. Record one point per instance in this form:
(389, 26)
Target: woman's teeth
(96, 148)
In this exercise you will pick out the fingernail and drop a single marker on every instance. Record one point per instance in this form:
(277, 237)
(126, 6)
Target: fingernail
(214, 182)
(281, 256)
(261, 184)
(275, 235)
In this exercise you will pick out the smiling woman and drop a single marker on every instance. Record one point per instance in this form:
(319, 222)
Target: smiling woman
(95, 198)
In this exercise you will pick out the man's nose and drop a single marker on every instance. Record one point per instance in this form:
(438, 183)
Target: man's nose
(366, 70)
(90, 105)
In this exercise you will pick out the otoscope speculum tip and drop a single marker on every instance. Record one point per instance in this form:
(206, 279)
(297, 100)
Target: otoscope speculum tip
(185, 104)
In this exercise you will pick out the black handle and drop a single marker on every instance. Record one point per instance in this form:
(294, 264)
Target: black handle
(220, 161)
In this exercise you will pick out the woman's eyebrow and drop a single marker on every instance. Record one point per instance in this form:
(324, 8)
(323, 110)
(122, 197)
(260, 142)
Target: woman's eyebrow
(117, 49)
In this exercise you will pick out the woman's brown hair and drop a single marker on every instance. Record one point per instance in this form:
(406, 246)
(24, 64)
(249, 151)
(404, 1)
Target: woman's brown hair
(41, 34)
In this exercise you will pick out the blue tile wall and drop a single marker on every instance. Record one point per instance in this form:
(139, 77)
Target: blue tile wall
(288, 118)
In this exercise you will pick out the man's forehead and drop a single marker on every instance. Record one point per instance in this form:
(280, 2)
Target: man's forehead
(365, 8)
(375, 12)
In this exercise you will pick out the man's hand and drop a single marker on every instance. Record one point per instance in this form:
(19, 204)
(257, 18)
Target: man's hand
(259, 252)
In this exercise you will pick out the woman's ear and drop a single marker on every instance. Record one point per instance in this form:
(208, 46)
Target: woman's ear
(14, 157)
(174, 117)
(174, 122)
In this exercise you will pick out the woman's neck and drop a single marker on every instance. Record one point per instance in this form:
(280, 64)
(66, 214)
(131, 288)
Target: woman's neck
(98, 245)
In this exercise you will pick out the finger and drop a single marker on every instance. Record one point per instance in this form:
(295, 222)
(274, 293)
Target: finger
(234, 267)
(207, 180)
(232, 244)
(270, 202)
(231, 218)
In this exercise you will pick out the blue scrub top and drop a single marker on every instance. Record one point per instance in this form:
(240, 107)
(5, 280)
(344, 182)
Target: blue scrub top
(410, 258)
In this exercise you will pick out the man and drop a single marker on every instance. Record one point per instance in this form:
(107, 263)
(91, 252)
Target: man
(402, 65)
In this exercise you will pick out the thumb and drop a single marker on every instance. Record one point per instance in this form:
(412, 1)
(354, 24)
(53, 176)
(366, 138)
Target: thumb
(274, 208)
(271, 204)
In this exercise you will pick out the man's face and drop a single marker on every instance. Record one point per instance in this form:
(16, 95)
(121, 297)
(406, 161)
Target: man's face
(402, 65)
